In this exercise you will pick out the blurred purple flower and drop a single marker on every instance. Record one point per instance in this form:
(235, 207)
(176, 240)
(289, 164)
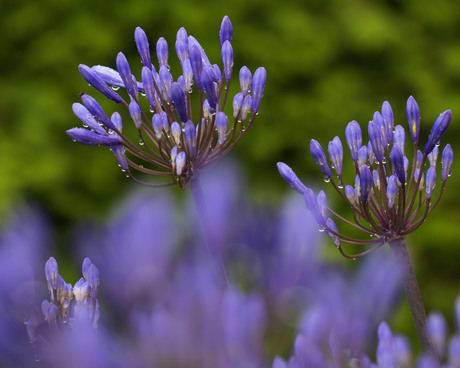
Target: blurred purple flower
(23, 242)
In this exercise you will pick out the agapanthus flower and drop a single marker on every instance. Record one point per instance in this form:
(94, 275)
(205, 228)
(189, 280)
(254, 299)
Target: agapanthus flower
(389, 199)
(173, 142)
(68, 308)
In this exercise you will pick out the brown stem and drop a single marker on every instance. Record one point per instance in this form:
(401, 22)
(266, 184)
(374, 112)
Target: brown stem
(413, 295)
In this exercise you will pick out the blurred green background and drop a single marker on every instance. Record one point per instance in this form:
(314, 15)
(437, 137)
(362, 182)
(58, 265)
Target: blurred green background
(328, 62)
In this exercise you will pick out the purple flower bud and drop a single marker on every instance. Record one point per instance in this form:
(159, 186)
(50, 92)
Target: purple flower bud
(322, 204)
(209, 88)
(116, 120)
(181, 82)
(221, 126)
(50, 312)
(397, 161)
(430, 182)
(365, 181)
(352, 195)
(108, 75)
(91, 77)
(376, 178)
(436, 328)
(418, 161)
(391, 191)
(433, 156)
(125, 73)
(245, 80)
(181, 160)
(176, 132)
(93, 280)
(387, 114)
(246, 107)
(173, 156)
(385, 353)
(182, 35)
(354, 138)
(376, 140)
(312, 205)
(90, 138)
(226, 31)
(181, 51)
(439, 128)
(216, 74)
(227, 59)
(136, 114)
(178, 98)
(149, 86)
(332, 226)
(51, 272)
(85, 268)
(447, 159)
(157, 125)
(81, 290)
(370, 154)
(96, 110)
(87, 119)
(205, 109)
(119, 152)
(142, 44)
(291, 178)
(402, 351)
(336, 155)
(196, 64)
(399, 137)
(237, 104)
(422, 179)
(279, 363)
(362, 157)
(378, 119)
(188, 74)
(258, 85)
(162, 52)
(320, 158)
(358, 186)
(166, 81)
(190, 138)
(413, 118)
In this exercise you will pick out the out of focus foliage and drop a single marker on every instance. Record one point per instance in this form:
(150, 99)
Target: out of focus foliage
(328, 62)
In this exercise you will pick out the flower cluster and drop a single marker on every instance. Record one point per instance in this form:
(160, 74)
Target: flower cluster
(59, 313)
(171, 143)
(389, 199)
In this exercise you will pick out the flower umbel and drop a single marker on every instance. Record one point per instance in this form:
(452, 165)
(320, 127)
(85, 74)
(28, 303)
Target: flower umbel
(173, 142)
(388, 201)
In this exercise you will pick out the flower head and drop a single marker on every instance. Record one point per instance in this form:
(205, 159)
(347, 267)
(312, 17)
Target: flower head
(163, 149)
(389, 200)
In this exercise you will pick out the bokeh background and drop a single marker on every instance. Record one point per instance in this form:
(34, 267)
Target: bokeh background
(328, 62)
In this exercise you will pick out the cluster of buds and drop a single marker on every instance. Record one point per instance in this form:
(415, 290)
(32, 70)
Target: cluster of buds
(388, 201)
(59, 312)
(171, 144)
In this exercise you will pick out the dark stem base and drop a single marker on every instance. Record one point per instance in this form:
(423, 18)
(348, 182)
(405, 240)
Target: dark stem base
(413, 295)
